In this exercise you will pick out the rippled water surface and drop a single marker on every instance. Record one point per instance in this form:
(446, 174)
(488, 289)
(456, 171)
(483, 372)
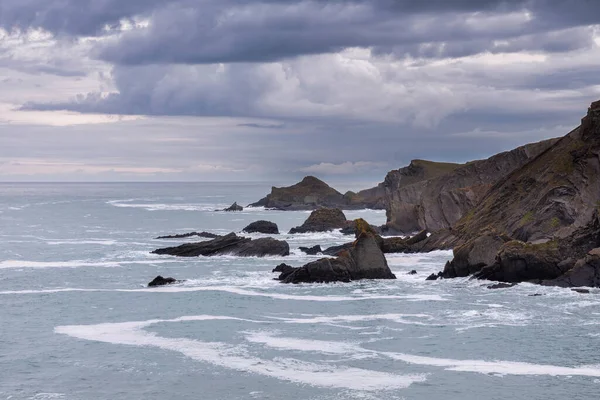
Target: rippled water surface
(77, 321)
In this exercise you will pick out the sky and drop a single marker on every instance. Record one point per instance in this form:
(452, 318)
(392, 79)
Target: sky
(273, 90)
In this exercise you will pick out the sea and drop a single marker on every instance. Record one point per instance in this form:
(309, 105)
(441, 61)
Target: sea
(78, 322)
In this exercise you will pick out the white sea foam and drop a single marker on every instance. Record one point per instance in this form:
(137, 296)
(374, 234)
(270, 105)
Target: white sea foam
(284, 343)
(322, 319)
(241, 292)
(104, 242)
(237, 357)
(167, 207)
(496, 367)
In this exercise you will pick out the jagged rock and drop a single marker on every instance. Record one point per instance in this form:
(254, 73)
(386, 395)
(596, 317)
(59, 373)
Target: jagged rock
(312, 193)
(413, 272)
(434, 277)
(364, 260)
(266, 227)
(501, 285)
(311, 251)
(234, 207)
(535, 295)
(322, 220)
(230, 244)
(160, 281)
(186, 235)
(336, 250)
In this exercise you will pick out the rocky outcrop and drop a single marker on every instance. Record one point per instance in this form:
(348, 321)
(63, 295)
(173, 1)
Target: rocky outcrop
(230, 244)
(432, 196)
(267, 227)
(312, 193)
(364, 260)
(336, 250)
(586, 272)
(322, 220)
(160, 281)
(234, 207)
(373, 198)
(550, 207)
(191, 234)
(422, 242)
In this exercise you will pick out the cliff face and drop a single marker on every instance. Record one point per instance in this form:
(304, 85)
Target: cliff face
(543, 216)
(433, 196)
(549, 197)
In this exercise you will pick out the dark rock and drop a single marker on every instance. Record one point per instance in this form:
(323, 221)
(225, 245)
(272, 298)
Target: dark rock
(501, 285)
(311, 251)
(230, 244)
(582, 291)
(413, 272)
(336, 250)
(474, 255)
(160, 281)
(519, 262)
(586, 272)
(266, 227)
(434, 277)
(283, 268)
(322, 220)
(535, 295)
(443, 239)
(186, 235)
(234, 207)
(364, 260)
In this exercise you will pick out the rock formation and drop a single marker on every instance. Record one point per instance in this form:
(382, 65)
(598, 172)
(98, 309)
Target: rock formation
(266, 227)
(312, 193)
(364, 260)
(234, 207)
(191, 234)
(311, 251)
(322, 220)
(230, 244)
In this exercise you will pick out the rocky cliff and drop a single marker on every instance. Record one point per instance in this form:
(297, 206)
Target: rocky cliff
(541, 220)
(428, 195)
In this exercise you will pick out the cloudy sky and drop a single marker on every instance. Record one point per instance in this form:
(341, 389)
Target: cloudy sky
(108, 90)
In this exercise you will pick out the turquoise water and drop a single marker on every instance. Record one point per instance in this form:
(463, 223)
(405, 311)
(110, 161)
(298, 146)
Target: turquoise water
(78, 323)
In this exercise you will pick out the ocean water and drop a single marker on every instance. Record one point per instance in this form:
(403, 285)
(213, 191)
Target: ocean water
(77, 322)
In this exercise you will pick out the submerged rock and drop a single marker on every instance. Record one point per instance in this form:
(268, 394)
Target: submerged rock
(363, 260)
(230, 244)
(322, 220)
(266, 227)
(160, 281)
(413, 272)
(434, 277)
(502, 285)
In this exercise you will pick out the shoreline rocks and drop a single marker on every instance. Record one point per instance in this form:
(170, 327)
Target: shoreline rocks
(230, 244)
